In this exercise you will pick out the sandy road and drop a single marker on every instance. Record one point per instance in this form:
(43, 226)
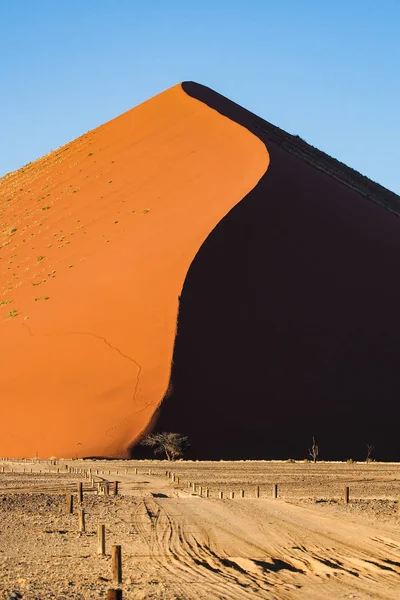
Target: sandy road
(178, 545)
(242, 548)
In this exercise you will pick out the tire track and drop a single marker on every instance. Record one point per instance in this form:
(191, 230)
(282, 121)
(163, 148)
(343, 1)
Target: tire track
(187, 559)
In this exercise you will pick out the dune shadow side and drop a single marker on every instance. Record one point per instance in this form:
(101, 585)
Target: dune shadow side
(288, 325)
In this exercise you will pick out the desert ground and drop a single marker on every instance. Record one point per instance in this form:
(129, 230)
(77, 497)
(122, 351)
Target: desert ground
(180, 539)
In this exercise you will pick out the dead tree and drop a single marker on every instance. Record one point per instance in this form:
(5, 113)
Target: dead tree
(370, 450)
(172, 445)
(314, 451)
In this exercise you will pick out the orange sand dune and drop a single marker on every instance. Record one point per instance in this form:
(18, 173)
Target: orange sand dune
(97, 238)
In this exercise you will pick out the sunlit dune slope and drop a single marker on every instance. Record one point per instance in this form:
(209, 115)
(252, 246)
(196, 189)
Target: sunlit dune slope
(97, 238)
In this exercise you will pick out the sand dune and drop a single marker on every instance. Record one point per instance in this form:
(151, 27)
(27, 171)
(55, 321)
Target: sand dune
(97, 240)
(287, 325)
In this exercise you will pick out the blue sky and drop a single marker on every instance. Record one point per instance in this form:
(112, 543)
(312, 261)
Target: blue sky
(327, 71)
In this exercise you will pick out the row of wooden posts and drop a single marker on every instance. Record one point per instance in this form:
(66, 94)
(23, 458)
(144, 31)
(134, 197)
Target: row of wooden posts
(104, 488)
(200, 490)
(116, 552)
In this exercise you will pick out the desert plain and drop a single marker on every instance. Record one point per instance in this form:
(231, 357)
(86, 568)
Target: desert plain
(191, 529)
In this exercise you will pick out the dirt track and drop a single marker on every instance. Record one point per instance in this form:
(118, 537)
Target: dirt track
(176, 544)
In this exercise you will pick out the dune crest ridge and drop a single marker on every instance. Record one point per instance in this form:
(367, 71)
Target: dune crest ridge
(97, 239)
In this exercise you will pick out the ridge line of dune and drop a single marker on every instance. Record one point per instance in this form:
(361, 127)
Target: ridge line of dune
(296, 146)
(152, 421)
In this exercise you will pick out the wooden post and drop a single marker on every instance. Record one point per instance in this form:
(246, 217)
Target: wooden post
(135, 470)
(149, 471)
(81, 519)
(107, 489)
(275, 490)
(80, 492)
(257, 491)
(114, 594)
(92, 483)
(346, 494)
(115, 488)
(101, 539)
(69, 503)
(232, 495)
(177, 480)
(241, 493)
(193, 487)
(116, 564)
(221, 495)
(200, 491)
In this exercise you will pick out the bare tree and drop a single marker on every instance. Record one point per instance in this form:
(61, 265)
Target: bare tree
(370, 450)
(172, 445)
(314, 450)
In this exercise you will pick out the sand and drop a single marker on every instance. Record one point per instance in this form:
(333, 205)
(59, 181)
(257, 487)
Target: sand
(190, 267)
(97, 240)
(177, 544)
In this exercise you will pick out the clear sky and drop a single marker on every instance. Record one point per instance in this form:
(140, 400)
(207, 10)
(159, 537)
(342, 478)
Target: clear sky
(328, 71)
